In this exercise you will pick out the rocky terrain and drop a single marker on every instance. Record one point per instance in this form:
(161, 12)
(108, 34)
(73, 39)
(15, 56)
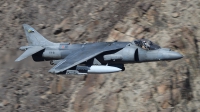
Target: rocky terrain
(167, 86)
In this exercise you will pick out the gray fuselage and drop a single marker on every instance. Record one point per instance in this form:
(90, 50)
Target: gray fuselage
(127, 53)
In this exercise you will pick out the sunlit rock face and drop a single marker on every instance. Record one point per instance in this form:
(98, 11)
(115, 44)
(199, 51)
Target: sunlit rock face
(155, 86)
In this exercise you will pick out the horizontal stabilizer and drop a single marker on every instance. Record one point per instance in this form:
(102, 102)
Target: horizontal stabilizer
(29, 52)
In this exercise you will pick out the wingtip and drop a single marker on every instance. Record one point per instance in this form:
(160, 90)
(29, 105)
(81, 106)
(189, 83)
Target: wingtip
(17, 60)
(52, 71)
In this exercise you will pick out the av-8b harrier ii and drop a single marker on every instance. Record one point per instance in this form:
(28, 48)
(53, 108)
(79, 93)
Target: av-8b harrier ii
(95, 58)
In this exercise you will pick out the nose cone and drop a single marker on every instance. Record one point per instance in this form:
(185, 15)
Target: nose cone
(171, 55)
(175, 55)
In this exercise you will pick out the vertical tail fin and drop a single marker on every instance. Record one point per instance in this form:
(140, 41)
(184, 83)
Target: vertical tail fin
(34, 38)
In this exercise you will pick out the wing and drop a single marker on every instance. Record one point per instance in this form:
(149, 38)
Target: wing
(29, 52)
(82, 55)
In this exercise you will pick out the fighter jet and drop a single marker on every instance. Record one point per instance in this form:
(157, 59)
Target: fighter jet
(95, 58)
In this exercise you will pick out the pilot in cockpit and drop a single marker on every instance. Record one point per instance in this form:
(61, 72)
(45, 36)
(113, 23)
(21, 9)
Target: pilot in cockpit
(146, 44)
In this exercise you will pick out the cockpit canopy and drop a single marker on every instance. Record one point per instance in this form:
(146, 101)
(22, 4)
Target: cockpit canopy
(146, 44)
